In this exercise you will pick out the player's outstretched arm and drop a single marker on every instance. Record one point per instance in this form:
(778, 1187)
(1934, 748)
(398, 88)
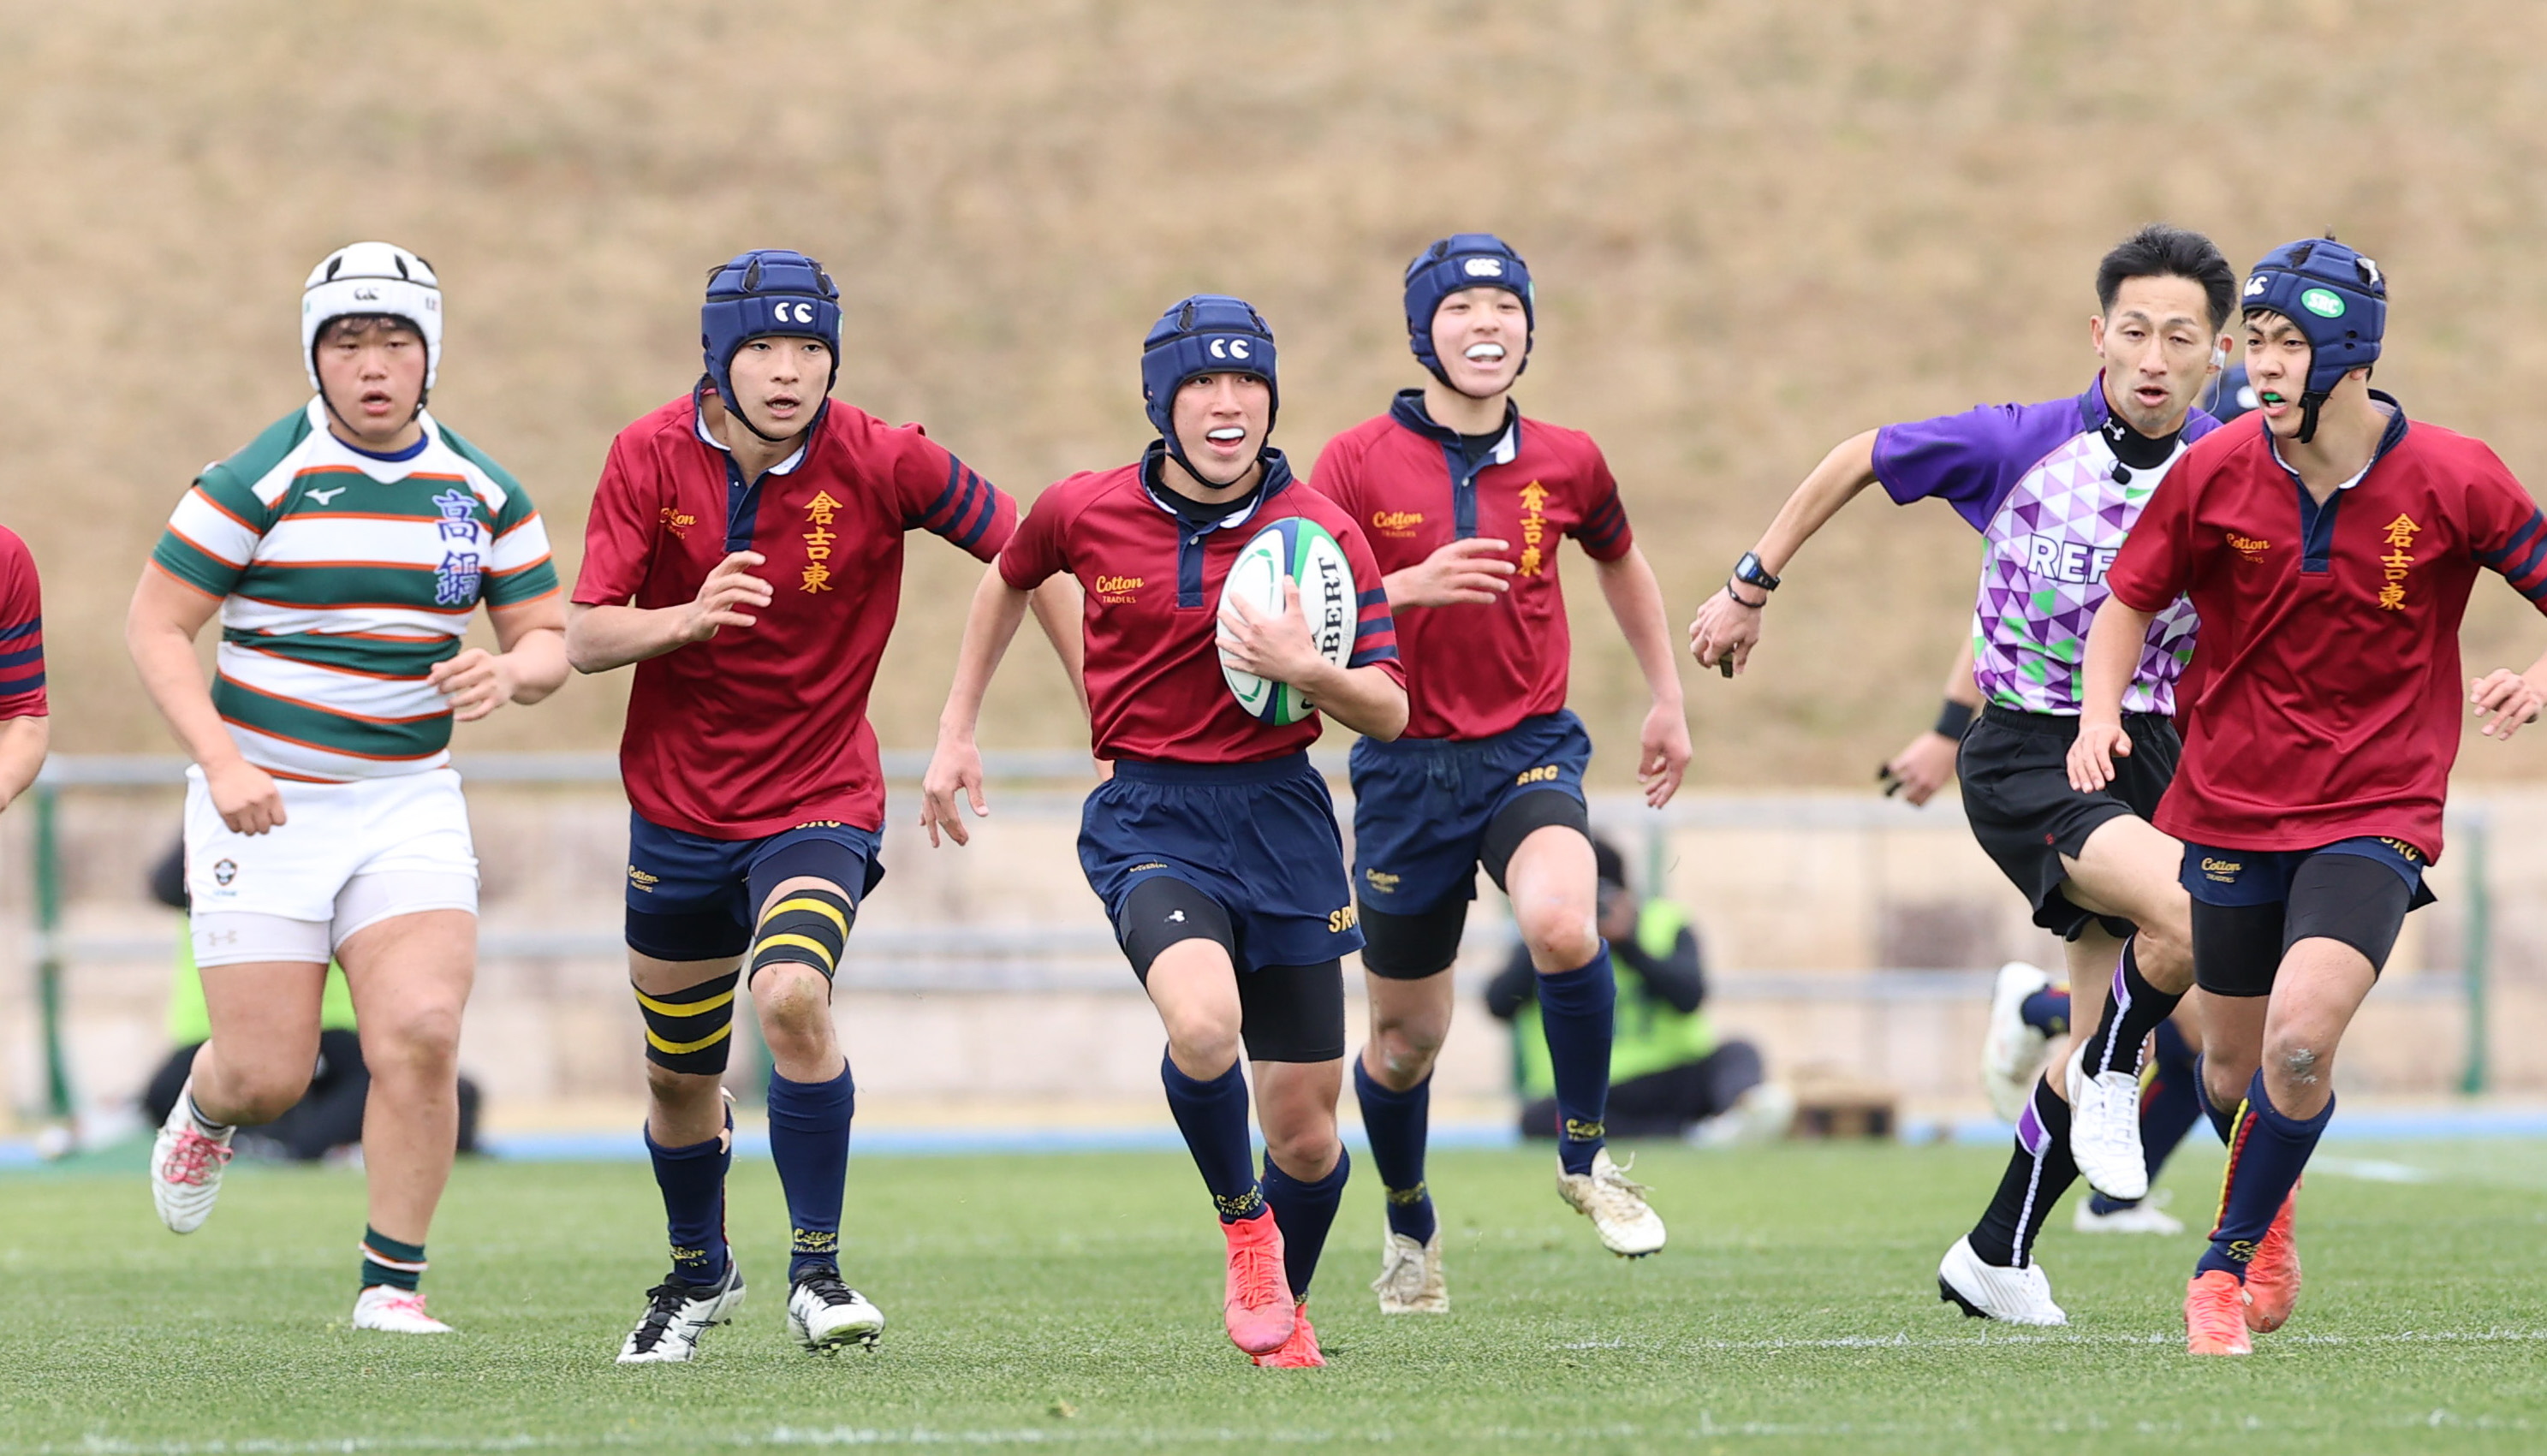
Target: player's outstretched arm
(159, 631)
(955, 767)
(529, 663)
(2513, 698)
(1927, 762)
(1635, 600)
(1364, 698)
(23, 744)
(1728, 624)
(601, 637)
(2113, 655)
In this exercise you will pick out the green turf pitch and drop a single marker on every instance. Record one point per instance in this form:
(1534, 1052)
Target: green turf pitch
(1074, 1301)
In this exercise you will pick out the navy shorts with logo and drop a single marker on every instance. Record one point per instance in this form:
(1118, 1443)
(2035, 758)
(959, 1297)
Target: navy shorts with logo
(1259, 838)
(1422, 806)
(2262, 877)
(695, 899)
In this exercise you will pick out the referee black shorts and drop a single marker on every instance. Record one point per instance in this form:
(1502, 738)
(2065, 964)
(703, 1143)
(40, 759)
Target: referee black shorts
(2015, 773)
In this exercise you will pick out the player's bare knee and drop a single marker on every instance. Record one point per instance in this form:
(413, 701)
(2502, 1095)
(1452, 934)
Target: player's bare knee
(1306, 1149)
(680, 1091)
(795, 1004)
(424, 1042)
(1204, 1044)
(1559, 940)
(1404, 1061)
(2299, 1061)
(262, 1094)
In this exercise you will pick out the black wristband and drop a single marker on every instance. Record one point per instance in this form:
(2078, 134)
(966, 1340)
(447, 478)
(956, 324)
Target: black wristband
(1953, 719)
(1737, 597)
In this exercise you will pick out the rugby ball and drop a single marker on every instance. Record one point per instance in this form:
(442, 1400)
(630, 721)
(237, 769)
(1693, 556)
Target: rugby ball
(1301, 550)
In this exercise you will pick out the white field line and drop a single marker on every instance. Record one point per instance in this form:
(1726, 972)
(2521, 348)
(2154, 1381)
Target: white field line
(1982, 1340)
(789, 1438)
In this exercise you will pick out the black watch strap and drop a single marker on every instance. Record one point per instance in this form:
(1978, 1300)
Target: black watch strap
(1750, 573)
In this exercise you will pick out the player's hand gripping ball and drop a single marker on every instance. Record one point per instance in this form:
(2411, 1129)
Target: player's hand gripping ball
(1300, 550)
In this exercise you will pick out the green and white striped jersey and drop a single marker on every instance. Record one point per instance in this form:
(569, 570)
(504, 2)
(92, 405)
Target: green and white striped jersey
(344, 578)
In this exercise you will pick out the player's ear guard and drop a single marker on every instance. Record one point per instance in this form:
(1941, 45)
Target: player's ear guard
(807, 927)
(692, 1030)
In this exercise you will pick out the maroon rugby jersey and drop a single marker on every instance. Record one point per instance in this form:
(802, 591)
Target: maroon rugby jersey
(1154, 688)
(2325, 696)
(22, 632)
(1476, 670)
(763, 728)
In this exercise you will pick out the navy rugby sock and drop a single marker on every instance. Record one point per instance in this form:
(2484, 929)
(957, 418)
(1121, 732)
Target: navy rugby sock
(1213, 1117)
(2131, 1012)
(808, 1140)
(693, 1182)
(2265, 1159)
(389, 1261)
(2038, 1174)
(2047, 1010)
(1395, 1121)
(1577, 1010)
(2224, 1120)
(1304, 1212)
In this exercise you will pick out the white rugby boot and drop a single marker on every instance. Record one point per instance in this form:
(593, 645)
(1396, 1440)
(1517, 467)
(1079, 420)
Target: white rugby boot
(1628, 1225)
(386, 1307)
(1987, 1292)
(186, 1167)
(823, 1314)
(2105, 1130)
(2143, 1216)
(677, 1313)
(2013, 1053)
(1410, 1276)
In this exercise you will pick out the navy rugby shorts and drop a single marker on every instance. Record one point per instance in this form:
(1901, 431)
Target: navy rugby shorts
(695, 899)
(1259, 838)
(1422, 806)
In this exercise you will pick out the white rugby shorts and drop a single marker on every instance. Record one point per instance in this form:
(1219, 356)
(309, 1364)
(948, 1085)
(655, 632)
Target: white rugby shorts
(346, 856)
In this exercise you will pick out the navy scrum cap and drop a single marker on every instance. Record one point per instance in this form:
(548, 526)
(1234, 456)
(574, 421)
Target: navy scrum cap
(765, 294)
(1208, 333)
(1463, 260)
(2339, 301)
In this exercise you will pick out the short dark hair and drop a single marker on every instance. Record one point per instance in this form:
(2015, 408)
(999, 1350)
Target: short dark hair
(2161, 250)
(363, 326)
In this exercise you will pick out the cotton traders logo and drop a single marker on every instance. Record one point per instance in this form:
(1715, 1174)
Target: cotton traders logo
(1116, 591)
(2323, 303)
(1396, 522)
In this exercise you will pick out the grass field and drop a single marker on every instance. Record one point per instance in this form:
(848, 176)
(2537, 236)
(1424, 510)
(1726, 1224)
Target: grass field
(1070, 1300)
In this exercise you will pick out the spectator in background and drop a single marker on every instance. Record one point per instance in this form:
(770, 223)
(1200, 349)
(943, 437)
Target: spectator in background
(328, 1118)
(1669, 1076)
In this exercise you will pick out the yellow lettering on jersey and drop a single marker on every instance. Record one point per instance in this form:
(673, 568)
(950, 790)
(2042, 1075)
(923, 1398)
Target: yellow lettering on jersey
(2392, 567)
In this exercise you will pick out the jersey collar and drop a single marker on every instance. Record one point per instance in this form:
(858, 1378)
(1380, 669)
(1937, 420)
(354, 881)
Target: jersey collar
(699, 427)
(381, 467)
(1408, 410)
(2389, 439)
(1276, 479)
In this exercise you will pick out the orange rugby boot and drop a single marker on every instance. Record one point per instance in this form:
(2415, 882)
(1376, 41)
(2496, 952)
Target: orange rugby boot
(1257, 1306)
(2273, 1278)
(1300, 1352)
(2214, 1316)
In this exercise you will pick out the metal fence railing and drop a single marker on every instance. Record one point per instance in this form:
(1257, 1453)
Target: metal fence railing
(991, 958)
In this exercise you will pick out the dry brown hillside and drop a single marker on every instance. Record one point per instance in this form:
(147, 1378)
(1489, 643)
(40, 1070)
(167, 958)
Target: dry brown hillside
(1759, 226)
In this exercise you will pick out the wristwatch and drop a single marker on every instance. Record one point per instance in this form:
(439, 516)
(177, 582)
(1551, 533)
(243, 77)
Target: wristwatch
(1750, 573)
